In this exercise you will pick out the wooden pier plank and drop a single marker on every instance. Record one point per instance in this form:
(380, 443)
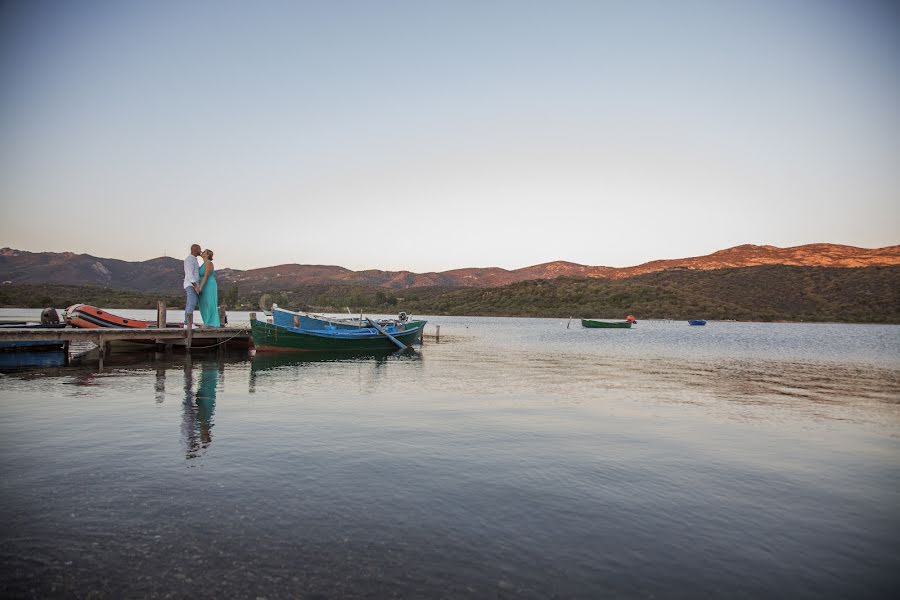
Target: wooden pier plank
(110, 334)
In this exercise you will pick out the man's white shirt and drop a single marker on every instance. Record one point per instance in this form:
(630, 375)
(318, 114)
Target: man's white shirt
(191, 271)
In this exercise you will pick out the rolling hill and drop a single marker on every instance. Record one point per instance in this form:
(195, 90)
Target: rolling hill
(164, 275)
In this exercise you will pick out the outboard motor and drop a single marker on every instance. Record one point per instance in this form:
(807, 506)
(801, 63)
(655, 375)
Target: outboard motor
(49, 316)
(403, 317)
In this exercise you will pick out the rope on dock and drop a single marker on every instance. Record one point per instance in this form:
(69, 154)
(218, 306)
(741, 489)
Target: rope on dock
(238, 334)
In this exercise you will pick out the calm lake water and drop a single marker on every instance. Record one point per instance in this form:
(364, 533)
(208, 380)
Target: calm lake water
(513, 458)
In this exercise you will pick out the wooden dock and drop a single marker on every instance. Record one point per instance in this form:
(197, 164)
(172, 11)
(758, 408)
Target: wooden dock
(203, 338)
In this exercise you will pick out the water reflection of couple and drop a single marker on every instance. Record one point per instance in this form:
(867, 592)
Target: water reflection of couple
(200, 287)
(199, 407)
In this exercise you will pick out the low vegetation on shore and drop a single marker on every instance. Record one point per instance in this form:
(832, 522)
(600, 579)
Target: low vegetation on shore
(765, 293)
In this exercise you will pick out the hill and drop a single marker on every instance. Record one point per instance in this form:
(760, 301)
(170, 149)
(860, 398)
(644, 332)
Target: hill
(164, 275)
(66, 268)
(763, 293)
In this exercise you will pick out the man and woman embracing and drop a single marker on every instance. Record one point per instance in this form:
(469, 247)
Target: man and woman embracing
(200, 287)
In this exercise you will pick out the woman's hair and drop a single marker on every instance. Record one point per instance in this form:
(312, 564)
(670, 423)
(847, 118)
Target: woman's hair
(210, 252)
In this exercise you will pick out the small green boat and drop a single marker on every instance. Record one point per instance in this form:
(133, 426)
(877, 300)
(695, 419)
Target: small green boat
(592, 324)
(268, 336)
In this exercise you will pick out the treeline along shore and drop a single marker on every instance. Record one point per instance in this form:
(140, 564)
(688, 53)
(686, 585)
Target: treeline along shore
(764, 293)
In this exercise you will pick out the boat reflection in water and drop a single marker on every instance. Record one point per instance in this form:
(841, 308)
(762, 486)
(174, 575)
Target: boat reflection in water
(199, 406)
(267, 361)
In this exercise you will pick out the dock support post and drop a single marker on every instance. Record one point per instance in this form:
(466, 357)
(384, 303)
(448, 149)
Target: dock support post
(188, 331)
(161, 322)
(437, 333)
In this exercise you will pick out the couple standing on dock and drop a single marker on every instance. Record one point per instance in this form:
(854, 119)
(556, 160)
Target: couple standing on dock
(200, 287)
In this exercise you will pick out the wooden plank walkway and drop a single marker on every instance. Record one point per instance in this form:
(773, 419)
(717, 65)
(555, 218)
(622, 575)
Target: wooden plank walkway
(202, 338)
(109, 334)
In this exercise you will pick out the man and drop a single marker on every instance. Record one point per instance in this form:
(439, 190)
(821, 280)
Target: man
(191, 281)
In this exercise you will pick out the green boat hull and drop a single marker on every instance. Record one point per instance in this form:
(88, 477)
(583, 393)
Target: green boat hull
(591, 324)
(268, 337)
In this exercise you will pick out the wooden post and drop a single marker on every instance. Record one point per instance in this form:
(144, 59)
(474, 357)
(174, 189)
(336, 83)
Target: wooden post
(223, 316)
(252, 317)
(188, 331)
(437, 333)
(161, 322)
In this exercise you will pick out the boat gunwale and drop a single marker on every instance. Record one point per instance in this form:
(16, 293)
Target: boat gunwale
(349, 334)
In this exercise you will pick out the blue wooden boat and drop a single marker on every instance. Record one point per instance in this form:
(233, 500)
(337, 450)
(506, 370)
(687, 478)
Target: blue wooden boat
(24, 359)
(32, 346)
(313, 322)
(303, 332)
(696, 322)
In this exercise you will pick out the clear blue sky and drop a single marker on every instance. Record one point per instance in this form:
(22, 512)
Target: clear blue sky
(434, 135)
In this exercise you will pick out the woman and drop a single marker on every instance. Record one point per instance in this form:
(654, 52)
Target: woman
(209, 291)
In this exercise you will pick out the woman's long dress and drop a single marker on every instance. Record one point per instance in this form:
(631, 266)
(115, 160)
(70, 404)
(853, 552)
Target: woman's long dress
(209, 299)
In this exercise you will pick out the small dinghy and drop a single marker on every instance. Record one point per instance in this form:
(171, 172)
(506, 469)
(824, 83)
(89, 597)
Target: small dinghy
(86, 316)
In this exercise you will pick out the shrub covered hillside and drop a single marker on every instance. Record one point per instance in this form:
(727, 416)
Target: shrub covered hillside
(766, 293)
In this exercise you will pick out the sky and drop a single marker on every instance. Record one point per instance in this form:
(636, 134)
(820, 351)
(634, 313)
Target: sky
(429, 136)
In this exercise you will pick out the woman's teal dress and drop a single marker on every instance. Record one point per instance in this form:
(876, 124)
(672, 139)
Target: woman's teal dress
(209, 299)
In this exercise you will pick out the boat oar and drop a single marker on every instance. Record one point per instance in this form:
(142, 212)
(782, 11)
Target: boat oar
(381, 330)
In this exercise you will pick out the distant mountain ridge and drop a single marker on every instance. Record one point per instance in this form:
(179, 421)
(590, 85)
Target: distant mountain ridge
(164, 274)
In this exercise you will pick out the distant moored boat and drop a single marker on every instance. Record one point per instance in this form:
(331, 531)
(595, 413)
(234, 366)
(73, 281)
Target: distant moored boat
(593, 324)
(696, 322)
